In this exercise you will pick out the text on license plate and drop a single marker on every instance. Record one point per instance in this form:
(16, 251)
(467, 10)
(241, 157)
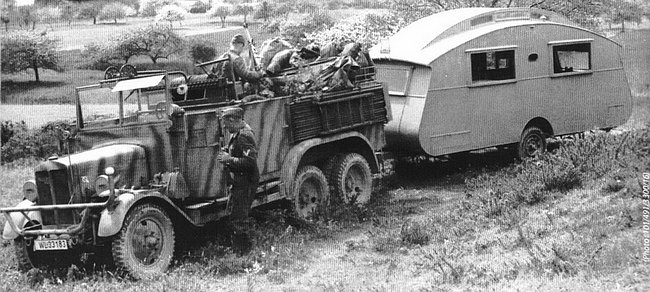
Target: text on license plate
(60, 244)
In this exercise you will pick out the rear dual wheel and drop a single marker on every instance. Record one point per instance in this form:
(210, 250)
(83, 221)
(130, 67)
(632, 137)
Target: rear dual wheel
(350, 179)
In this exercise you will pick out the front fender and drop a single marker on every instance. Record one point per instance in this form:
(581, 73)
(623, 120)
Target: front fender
(19, 220)
(110, 222)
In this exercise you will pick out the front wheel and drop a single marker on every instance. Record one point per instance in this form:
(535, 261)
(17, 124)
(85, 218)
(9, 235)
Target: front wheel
(311, 192)
(27, 258)
(145, 245)
(532, 143)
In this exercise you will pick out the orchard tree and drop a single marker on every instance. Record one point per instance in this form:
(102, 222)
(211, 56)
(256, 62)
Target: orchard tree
(113, 11)
(222, 11)
(68, 12)
(90, 10)
(244, 9)
(171, 13)
(264, 11)
(623, 11)
(22, 51)
(155, 41)
(27, 16)
(48, 14)
(151, 7)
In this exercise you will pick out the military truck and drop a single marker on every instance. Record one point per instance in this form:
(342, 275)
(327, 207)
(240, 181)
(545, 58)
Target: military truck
(137, 175)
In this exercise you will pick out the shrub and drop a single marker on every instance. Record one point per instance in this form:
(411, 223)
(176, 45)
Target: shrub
(296, 31)
(414, 232)
(200, 52)
(9, 128)
(39, 143)
(99, 56)
(200, 7)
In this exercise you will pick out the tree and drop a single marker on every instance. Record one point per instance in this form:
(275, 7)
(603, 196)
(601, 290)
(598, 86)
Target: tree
(27, 16)
(264, 11)
(90, 10)
(283, 10)
(151, 7)
(22, 51)
(200, 6)
(68, 12)
(623, 11)
(5, 19)
(113, 11)
(171, 13)
(243, 9)
(48, 14)
(155, 41)
(222, 11)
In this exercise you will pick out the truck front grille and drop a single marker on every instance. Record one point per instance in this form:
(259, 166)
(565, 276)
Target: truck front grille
(53, 190)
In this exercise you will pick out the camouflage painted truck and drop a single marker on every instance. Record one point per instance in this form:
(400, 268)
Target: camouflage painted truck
(147, 170)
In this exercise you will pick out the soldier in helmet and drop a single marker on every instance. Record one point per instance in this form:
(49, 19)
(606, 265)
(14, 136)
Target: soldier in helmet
(237, 45)
(241, 161)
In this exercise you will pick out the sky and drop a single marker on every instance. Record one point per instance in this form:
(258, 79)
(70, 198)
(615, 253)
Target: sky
(24, 2)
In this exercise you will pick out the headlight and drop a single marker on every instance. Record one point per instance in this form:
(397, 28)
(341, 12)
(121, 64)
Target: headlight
(101, 184)
(29, 190)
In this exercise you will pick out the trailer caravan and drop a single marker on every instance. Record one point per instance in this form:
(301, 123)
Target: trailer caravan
(474, 78)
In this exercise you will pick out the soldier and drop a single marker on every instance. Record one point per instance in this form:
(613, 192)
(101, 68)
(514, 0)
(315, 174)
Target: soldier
(237, 45)
(241, 161)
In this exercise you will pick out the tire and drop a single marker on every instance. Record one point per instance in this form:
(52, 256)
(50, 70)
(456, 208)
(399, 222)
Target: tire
(128, 70)
(111, 72)
(532, 143)
(140, 255)
(24, 255)
(310, 192)
(350, 180)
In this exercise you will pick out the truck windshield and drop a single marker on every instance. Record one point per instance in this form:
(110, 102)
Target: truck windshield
(99, 106)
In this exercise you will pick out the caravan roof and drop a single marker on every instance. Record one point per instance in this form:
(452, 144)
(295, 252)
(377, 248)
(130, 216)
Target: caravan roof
(428, 38)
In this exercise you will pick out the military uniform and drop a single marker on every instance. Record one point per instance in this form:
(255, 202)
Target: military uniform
(244, 172)
(239, 67)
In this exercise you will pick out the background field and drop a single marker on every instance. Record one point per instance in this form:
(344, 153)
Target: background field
(431, 226)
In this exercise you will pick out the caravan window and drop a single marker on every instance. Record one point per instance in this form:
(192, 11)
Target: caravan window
(493, 65)
(572, 58)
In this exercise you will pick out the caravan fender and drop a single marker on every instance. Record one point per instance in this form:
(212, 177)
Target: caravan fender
(19, 220)
(292, 161)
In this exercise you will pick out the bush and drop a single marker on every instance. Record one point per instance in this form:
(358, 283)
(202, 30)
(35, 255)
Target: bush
(200, 52)
(32, 143)
(99, 57)
(296, 31)
(200, 7)
(414, 232)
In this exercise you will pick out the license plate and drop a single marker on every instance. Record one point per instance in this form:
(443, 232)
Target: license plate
(60, 244)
